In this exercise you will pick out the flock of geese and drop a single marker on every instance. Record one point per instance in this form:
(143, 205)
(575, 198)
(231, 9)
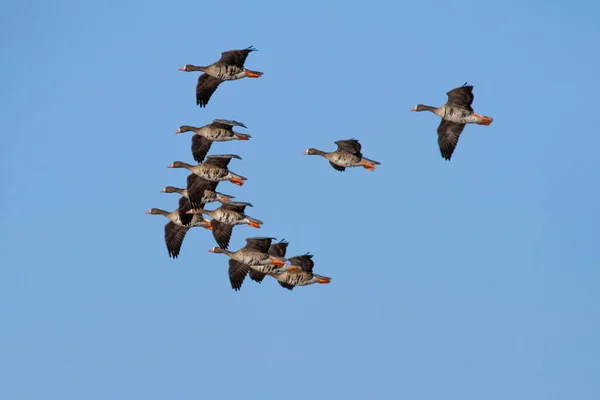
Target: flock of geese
(261, 257)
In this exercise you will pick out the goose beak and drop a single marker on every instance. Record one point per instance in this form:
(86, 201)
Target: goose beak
(225, 199)
(414, 108)
(211, 250)
(170, 166)
(178, 131)
(163, 191)
(305, 152)
(148, 212)
(182, 69)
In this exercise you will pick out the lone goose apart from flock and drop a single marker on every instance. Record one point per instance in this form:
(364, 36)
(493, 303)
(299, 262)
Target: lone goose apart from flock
(229, 67)
(179, 223)
(455, 114)
(225, 218)
(348, 154)
(220, 130)
(254, 255)
(303, 276)
(214, 169)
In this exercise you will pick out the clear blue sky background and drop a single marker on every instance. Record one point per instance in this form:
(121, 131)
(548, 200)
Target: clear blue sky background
(471, 279)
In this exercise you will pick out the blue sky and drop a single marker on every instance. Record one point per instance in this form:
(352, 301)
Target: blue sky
(470, 279)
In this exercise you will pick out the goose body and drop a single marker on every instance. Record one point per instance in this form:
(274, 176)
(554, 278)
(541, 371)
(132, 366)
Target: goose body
(347, 155)
(219, 130)
(229, 67)
(275, 250)
(214, 169)
(455, 115)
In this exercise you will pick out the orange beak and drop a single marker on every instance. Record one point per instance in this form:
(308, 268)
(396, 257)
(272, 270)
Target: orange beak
(414, 108)
(292, 269)
(236, 182)
(254, 225)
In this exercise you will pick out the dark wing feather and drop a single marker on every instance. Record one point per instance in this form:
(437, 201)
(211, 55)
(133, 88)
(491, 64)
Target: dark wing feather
(184, 205)
(235, 57)
(205, 88)
(196, 187)
(219, 125)
(259, 244)
(461, 97)
(278, 249)
(286, 285)
(228, 122)
(256, 276)
(237, 273)
(200, 147)
(221, 232)
(448, 134)
(174, 235)
(234, 207)
(222, 162)
(305, 262)
(349, 146)
(337, 167)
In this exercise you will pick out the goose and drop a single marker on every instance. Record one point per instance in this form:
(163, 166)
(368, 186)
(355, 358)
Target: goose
(302, 276)
(178, 225)
(220, 130)
(275, 250)
(455, 114)
(229, 67)
(214, 169)
(199, 191)
(225, 218)
(254, 255)
(348, 154)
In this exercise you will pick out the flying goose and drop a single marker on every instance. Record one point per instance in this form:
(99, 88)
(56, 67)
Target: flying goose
(214, 169)
(225, 218)
(178, 225)
(302, 276)
(455, 114)
(229, 67)
(348, 154)
(220, 130)
(199, 191)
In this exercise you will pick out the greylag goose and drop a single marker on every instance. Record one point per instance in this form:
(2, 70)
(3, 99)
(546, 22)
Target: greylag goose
(254, 255)
(199, 191)
(302, 276)
(229, 67)
(179, 223)
(220, 130)
(455, 114)
(275, 250)
(348, 154)
(214, 169)
(225, 218)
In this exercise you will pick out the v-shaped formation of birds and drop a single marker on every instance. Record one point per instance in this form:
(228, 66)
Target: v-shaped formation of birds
(260, 256)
